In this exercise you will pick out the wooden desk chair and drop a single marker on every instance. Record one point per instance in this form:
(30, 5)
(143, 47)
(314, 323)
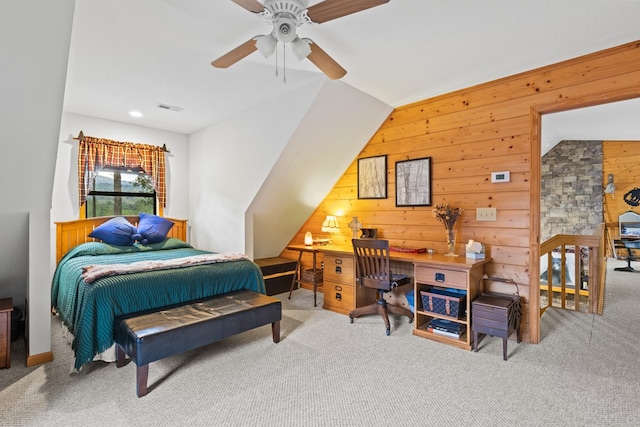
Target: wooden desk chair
(373, 270)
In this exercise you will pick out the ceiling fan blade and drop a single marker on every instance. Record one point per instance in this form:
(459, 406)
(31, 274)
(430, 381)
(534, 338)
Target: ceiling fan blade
(332, 9)
(251, 5)
(236, 54)
(325, 63)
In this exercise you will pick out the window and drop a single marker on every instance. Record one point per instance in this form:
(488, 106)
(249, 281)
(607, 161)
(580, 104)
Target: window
(120, 191)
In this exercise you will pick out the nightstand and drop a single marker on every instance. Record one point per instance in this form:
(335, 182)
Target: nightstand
(6, 307)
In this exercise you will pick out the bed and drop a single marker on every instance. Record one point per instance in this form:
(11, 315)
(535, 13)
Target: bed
(88, 305)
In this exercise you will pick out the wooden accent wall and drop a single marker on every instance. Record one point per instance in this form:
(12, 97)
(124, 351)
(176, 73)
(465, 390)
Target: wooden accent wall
(622, 159)
(468, 134)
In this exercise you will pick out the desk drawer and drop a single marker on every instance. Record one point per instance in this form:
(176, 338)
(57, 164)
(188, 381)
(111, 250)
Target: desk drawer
(489, 323)
(339, 269)
(494, 332)
(441, 277)
(493, 313)
(338, 297)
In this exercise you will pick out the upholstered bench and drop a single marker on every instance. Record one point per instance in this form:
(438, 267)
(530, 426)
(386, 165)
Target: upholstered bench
(150, 336)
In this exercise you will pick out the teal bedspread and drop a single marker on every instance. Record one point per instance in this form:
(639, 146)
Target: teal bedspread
(89, 310)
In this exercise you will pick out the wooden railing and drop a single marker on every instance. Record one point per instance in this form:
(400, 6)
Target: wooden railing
(587, 285)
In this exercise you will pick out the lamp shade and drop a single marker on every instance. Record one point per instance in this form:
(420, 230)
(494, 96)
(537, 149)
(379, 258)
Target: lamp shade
(330, 225)
(308, 238)
(266, 45)
(300, 48)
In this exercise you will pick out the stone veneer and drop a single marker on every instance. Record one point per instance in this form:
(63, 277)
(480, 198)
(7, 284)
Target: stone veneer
(571, 189)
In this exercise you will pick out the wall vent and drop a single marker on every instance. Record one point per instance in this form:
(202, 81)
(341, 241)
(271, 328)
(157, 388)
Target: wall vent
(170, 107)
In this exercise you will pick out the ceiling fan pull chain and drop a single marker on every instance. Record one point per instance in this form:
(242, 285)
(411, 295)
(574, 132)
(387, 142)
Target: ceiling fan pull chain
(284, 65)
(276, 60)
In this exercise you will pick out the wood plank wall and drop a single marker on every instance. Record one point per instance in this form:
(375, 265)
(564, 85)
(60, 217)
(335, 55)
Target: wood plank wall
(622, 159)
(468, 134)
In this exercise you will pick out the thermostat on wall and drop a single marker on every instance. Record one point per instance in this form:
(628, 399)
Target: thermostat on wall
(500, 176)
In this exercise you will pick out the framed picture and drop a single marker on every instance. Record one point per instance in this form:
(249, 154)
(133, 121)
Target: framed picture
(372, 177)
(413, 182)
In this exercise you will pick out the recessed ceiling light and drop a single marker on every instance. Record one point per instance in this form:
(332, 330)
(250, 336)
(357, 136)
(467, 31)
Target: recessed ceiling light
(135, 114)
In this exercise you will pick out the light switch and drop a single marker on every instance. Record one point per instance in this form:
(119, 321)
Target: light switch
(486, 214)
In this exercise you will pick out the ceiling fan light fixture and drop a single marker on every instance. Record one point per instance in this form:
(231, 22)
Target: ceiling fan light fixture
(285, 16)
(285, 29)
(300, 48)
(266, 45)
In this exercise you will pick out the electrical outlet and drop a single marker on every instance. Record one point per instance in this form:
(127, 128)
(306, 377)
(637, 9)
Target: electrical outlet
(486, 214)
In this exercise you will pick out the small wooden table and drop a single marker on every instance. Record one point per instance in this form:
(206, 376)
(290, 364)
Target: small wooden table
(497, 315)
(297, 278)
(6, 307)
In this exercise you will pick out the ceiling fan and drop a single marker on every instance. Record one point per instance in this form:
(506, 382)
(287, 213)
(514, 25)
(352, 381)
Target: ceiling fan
(286, 16)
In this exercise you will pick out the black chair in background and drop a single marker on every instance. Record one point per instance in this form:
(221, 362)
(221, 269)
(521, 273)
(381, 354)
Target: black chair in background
(373, 270)
(628, 250)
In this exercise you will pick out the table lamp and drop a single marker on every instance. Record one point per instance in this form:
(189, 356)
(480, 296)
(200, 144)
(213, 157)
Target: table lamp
(330, 225)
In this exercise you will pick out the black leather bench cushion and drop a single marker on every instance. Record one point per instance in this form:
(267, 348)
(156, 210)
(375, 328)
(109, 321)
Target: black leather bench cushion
(153, 336)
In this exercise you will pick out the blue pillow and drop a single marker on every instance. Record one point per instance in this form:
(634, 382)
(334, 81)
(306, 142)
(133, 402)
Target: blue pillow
(152, 228)
(117, 231)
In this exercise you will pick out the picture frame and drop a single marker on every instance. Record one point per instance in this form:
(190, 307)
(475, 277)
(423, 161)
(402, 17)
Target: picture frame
(413, 182)
(372, 177)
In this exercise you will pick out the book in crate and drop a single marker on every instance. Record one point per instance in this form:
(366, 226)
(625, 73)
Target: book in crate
(447, 328)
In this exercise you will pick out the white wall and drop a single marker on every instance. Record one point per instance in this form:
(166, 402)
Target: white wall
(230, 161)
(338, 124)
(257, 177)
(65, 185)
(34, 40)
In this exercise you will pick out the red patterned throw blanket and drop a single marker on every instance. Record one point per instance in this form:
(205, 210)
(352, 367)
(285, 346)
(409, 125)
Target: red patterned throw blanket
(91, 273)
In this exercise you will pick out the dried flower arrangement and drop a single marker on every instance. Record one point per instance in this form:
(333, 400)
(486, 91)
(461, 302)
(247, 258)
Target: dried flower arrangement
(447, 215)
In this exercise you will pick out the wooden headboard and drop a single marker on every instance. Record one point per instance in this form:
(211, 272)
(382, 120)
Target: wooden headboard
(70, 234)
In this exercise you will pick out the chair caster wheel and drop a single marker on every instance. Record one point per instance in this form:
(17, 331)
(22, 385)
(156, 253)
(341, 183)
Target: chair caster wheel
(351, 320)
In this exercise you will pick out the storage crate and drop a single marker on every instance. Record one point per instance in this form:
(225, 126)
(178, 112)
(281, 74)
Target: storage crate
(278, 274)
(308, 276)
(446, 303)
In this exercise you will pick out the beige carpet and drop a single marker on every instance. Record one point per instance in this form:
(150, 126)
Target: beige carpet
(328, 372)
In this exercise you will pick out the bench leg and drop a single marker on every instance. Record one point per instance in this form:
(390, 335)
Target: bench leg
(142, 373)
(120, 359)
(504, 348)
(275, 331)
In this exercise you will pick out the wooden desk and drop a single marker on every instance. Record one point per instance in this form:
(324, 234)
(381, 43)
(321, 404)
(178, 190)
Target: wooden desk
(342, 295)
(6, 307)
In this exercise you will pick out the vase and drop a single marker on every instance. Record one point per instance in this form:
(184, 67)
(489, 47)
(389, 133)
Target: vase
(451, 242)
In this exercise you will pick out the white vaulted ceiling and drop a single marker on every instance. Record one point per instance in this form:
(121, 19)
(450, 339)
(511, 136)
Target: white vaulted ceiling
(133, 55)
